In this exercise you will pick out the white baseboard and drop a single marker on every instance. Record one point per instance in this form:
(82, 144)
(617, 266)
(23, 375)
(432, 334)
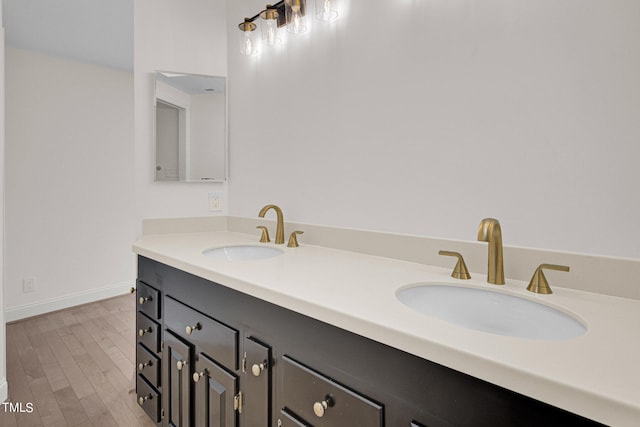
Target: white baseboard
(41, 307)
(4, 390)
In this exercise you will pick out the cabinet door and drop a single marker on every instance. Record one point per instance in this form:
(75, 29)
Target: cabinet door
(257, 384)
(177, 392)
(216, 394)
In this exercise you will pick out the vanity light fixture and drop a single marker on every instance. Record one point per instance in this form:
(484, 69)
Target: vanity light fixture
(289, 13)
(286, 12)
(296, 16)
(248, 44)
(327, 10)
(269, 25)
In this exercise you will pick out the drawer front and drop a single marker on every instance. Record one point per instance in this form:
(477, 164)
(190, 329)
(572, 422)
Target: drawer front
(148, 332)
(211, 337)
(325, 403)
(287, 419)
(148, 365)
(148, 300)
(148, 398)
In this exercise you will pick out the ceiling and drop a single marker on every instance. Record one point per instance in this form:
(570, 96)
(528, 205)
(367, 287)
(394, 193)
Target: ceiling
(94, 31)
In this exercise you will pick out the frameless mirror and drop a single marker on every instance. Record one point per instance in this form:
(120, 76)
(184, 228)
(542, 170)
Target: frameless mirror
(191, 127)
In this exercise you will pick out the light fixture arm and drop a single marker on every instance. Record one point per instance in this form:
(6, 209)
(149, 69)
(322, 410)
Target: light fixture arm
(279, 7)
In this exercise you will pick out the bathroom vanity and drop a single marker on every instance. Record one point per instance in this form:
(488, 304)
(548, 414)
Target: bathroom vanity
(211, 356)
(282, 342)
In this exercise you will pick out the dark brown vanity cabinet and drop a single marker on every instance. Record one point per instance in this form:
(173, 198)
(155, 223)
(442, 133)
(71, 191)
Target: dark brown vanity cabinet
(230, 359)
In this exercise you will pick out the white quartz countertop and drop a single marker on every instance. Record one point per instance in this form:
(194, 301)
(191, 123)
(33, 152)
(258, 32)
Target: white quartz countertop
(596, 375)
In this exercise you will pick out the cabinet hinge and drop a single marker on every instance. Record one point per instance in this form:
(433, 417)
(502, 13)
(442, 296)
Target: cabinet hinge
(244, 363)
(237, 402)
(161, 345)
(162, 414)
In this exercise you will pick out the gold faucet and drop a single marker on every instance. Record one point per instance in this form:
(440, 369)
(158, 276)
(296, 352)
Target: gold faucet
(279, 226)
(490, 231)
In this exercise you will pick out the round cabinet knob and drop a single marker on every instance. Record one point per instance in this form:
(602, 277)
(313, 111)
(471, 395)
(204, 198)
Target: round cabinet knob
(189, 329)
(142, 300)
(319, 408)
(141, 332)
(143, 399)
(180, 364)
(141, 366)
(256, 369)
(132, 290)
(198, 375)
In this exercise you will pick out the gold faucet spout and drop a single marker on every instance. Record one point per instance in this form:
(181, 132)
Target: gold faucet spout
(490, 231)
(280, 224)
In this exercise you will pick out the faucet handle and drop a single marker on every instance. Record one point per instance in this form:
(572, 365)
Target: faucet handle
(539, 283)
(265, 234)
(460, 271)
(293, 239)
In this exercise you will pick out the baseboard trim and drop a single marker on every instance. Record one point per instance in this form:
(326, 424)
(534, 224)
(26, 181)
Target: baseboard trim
(4, 390)
(41, 307)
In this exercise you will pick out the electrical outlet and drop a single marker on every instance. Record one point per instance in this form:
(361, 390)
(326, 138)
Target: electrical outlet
(28, 285)
(215, 201)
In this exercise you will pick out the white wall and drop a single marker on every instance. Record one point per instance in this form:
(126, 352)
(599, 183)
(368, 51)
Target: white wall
(185, 36)
(69, 175)
(424, 117)
(3, 354)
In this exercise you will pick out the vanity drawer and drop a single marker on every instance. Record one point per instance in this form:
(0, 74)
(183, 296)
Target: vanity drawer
(148, 332)
(211, 337)
(324, 402)
(148, 398)
(148, 365)
(287, 419)
(148, 300)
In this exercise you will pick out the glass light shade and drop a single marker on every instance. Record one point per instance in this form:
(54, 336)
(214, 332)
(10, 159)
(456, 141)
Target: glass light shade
(269, 25)
(295, 11)
(326, 10)
(248, 42)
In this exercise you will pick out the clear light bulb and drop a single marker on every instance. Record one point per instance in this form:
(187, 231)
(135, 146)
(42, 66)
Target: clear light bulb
(271, 37)
(248, 44)
(298, 26)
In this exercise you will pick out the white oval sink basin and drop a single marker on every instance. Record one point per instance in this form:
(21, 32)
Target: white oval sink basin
(243, 253)
(493, 312)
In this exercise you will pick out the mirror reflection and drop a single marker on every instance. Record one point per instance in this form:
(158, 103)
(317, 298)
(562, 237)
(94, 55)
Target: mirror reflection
(191, 131)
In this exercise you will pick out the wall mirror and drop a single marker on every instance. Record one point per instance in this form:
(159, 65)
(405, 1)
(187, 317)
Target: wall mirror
(191, 127)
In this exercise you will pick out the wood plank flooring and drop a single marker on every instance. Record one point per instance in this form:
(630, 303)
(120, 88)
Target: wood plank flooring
(76, 367)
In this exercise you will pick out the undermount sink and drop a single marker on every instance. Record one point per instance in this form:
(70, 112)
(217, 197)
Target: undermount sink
(492, 312)
(243, 252)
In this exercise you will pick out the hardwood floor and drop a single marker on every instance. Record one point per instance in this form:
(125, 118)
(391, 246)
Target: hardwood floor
(75, 366)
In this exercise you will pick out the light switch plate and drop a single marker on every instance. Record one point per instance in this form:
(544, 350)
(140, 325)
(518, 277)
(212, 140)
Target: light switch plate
(215, 201)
